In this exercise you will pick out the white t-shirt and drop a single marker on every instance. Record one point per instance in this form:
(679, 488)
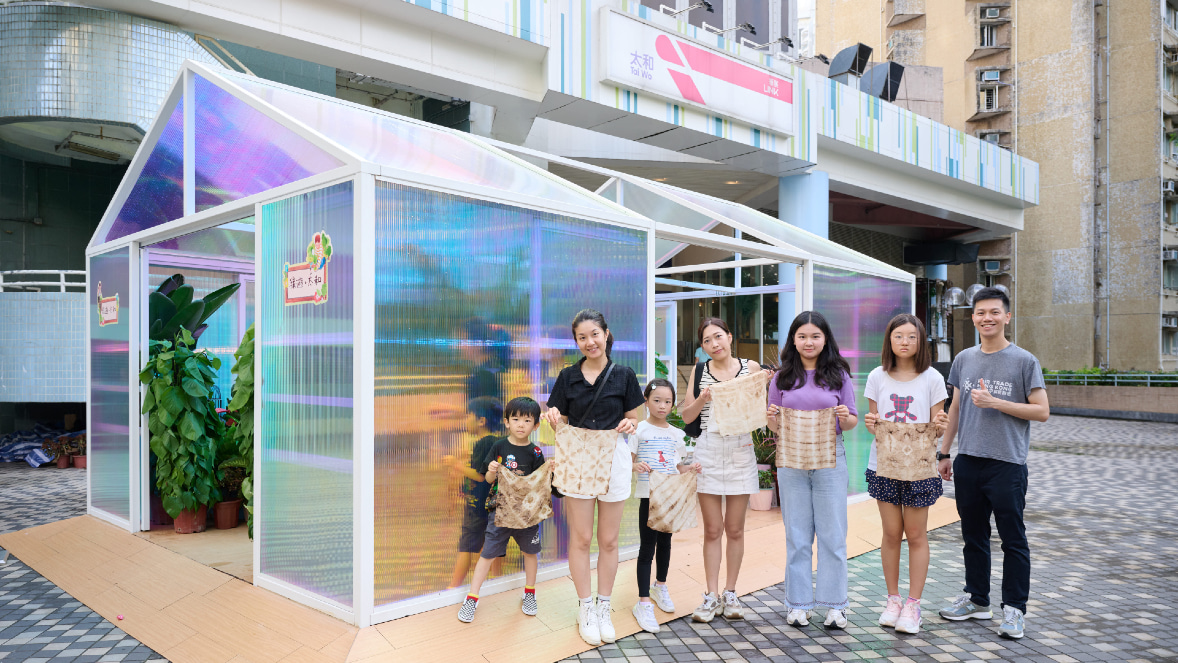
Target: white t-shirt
(661, 448)
(904, 402)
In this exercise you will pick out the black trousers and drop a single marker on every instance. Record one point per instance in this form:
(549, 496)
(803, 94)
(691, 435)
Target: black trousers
(653, 546)
(985, 486)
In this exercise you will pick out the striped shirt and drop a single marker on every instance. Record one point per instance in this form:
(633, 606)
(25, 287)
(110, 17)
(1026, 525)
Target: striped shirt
(661, 448)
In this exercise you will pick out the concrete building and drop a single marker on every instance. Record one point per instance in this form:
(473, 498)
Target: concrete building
(1088, 90)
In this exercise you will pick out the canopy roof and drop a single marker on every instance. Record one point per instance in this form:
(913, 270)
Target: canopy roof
(222, 137)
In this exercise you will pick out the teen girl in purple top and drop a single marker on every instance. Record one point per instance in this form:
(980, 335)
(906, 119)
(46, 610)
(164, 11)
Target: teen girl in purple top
(814, 376)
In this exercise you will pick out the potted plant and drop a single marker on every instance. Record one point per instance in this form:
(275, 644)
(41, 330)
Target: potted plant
(763, 500)
(765, 448)
(230, 474)
(77, 446)
(56, 448)
(241, 409)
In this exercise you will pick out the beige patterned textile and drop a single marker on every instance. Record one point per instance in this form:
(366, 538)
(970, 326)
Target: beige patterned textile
(584, 459)
(905, 452)
(738, 405)
(806, 439)
(524, 501)
(672, 502)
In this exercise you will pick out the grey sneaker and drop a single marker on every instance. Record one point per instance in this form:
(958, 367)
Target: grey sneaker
(1012, 623)
(963, 608)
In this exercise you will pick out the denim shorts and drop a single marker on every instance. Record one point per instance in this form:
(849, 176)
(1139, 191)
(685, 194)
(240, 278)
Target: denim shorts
(915, 494)
(495, 544)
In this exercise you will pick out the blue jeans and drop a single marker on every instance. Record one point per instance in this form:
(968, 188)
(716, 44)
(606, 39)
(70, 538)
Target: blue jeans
(814, 502)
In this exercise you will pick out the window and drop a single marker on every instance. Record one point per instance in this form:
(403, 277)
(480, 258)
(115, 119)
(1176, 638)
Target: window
(714, 19)
(1169, 342)
(1170, 275)
(989, 99)
(1170, 83)
(988, 36)
(1171, 16)
(991, 138)
(1171, 207)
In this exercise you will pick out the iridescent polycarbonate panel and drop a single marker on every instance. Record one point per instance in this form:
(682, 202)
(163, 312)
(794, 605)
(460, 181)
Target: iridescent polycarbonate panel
(305, 354)
(109, 428)
(664, 209)
(858, 308)
(417, 147)
(240, 151)
(158, 194)
(474, 300)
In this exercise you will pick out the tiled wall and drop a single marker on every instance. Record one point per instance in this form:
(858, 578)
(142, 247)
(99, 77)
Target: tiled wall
(42, 347)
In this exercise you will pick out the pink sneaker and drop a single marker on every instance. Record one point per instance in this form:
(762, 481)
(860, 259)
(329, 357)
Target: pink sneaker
(891, 613)
(909, 621)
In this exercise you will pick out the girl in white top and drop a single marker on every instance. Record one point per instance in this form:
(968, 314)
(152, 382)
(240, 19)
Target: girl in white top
(656, 446)
(904, 389)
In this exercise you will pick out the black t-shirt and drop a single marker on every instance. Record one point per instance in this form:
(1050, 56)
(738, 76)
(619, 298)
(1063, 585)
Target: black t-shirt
(523, 460)
(572, 394)
(475, 492)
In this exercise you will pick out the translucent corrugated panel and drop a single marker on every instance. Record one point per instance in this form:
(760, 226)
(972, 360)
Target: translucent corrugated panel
(110, 383)
(231, 240)
(664, 209)
(305, 354)
(158, 195)
(240, 151)
(475, 299)
(858, 308)
(410, 146)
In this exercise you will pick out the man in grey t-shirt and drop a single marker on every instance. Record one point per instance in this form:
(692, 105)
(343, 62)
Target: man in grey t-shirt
(998, 390)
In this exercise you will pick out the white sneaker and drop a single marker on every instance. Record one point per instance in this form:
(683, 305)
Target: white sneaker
(644, 613)
(707, 610)
(910, 619)
(835, 619)
(662, 598)
(892, 612)
(732, 606)
(587, 624)
(798, 618)
(605, 624)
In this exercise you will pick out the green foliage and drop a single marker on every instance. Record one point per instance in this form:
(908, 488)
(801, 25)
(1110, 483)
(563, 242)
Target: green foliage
(765, 479)
(1096, 376)
(661, 371)
(183, 422)
(173, 307)
(765, 446)
(241, 409)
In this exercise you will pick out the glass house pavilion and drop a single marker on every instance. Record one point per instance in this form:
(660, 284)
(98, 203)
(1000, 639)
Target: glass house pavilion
(454, 269)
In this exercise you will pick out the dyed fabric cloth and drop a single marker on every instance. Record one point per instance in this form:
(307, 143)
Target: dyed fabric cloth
(524, 501)
(806, 439)
(672, 502)
(906, 452)
(584, 460)
(738, 405)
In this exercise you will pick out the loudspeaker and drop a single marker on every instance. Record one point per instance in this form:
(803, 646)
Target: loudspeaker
(940, 253)
(850, 60)
(883, 80)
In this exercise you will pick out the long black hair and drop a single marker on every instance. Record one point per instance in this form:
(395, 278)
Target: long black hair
(594, 316)
(831, 370)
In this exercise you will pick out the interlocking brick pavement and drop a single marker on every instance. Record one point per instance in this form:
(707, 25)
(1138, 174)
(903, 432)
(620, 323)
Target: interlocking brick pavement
(1102, 518)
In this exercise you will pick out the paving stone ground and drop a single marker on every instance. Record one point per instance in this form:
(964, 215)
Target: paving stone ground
(39, 623)
(1102, 517)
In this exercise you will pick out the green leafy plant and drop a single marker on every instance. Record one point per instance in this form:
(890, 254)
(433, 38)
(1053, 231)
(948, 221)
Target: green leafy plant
(184, 425)
(241, 409)
(765, 479)
(172, 307)
(765, 446)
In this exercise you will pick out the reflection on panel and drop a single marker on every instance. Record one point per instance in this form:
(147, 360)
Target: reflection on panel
(240, 151)
(158, 194)
(474, 300)
(306, 524)
(858, 308)
(110, 382)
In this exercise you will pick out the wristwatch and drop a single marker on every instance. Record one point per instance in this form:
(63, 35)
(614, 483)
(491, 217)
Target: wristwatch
(941, 456)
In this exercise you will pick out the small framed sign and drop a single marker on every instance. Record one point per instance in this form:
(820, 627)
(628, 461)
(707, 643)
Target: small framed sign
(306, 282)
(108, 308)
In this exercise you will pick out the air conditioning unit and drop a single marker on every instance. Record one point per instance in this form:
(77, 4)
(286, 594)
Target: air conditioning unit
(1171, 254)
(992, 138)
(991, 12)
(1168, 187)
(992, 75)
(1170, 321)
(992, 266)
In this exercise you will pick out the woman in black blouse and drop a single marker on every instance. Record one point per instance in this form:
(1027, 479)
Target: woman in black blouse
(618, 408)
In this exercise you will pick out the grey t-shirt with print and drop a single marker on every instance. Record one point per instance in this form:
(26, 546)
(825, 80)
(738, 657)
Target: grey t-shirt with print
(1010, 374)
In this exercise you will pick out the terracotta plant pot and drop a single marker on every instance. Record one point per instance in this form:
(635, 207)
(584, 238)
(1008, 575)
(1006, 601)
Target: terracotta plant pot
(158, 515)
(63, 461)
(226, 514)
(191, 522)
(80, 462)
(761, 501)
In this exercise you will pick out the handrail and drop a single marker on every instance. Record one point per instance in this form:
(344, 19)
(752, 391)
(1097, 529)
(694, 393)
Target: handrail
(59, 285)
(1113, 379)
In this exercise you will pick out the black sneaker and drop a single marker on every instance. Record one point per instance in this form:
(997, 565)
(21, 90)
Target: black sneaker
(529, 605)
(466, 614)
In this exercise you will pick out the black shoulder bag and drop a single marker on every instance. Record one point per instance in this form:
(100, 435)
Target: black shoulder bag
(695, 428)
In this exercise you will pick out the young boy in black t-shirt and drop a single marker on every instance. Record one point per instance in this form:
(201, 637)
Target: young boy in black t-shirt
(514, 453)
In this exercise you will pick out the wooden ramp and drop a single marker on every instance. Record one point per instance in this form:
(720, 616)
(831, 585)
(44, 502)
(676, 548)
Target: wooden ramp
(190, 612)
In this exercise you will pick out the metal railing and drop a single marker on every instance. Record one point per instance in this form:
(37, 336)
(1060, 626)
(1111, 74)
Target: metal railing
(42, 280)
(1113, 379)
